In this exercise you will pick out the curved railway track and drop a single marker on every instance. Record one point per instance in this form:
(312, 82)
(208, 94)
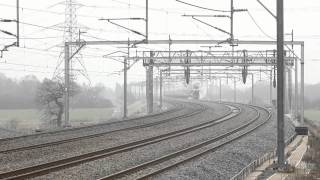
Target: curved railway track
(4, 133)
(58, 142)
(73, 161)
(166, 162)
(176, 107)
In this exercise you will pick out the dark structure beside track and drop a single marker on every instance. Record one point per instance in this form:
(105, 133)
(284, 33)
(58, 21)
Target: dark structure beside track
(301, 130)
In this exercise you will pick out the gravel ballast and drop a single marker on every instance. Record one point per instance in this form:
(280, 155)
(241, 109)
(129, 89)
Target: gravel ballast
(229, 160)
(87, 130)
(221, 164)
(98, 168)
(32, 157)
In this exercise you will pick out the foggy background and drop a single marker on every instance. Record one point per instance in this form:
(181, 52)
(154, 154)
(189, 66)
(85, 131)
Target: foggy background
(23, 69)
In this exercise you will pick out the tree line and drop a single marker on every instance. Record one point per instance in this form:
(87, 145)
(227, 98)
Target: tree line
(22, 93)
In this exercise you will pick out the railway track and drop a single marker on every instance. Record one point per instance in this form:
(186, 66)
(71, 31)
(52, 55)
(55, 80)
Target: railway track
(176, 107)
(58, 142)
(154, 167)
(7, 132)
(73, 161)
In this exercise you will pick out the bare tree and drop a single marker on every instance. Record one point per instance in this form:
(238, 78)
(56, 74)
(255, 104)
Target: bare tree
(50, 98)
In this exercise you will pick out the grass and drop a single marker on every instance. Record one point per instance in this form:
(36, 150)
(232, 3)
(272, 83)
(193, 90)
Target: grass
(311, 159)
(17, 118)
(309, 168)
(313, 115)
(31, 118)
(90, 114)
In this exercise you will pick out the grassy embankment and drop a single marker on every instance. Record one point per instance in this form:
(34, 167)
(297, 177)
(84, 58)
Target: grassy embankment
(309, 168)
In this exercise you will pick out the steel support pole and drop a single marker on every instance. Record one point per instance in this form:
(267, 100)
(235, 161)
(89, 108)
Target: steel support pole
(139, 90)
(290, 89)
(290, 80)
(285, 88)
(280, 85)
(270, 88)
(231, 21)
(142, 90)
(160, 89)
(18, 23)
(252, 89)
(302, 85)
(163, 88)
(125, 88)
(296, 96)
(149, 87)
(235, 90)
(67, 83)
(220, 90)
(207, 94)
(147, 20)
(156, 88)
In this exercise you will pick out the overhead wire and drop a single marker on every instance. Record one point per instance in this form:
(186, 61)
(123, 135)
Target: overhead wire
(200, 7)
(37, 49)
(45, 67)
(46, 11)
(34, 38)
(100, 38)
(258, 26)
(98, 73)
(171, 11)
(255, 22)
(52, 28)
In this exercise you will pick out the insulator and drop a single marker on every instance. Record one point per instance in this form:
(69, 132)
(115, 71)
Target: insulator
(244, 74)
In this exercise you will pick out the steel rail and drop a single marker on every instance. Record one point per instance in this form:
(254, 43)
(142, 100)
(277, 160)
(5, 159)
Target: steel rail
(58, 142)
(209, 150)
(173, 110)
(188, 149)
(46, 168)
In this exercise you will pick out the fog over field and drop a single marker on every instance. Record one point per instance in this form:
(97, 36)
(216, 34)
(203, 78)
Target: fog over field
(94, 104)
(91, 104)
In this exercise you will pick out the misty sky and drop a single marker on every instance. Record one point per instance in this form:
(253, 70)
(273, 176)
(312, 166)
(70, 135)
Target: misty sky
(43, 22)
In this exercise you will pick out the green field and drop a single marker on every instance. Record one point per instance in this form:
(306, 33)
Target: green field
(313, 115)
(31, 118)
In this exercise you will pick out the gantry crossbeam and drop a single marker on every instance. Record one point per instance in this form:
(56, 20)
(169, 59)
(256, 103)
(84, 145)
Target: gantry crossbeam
(211, 58)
